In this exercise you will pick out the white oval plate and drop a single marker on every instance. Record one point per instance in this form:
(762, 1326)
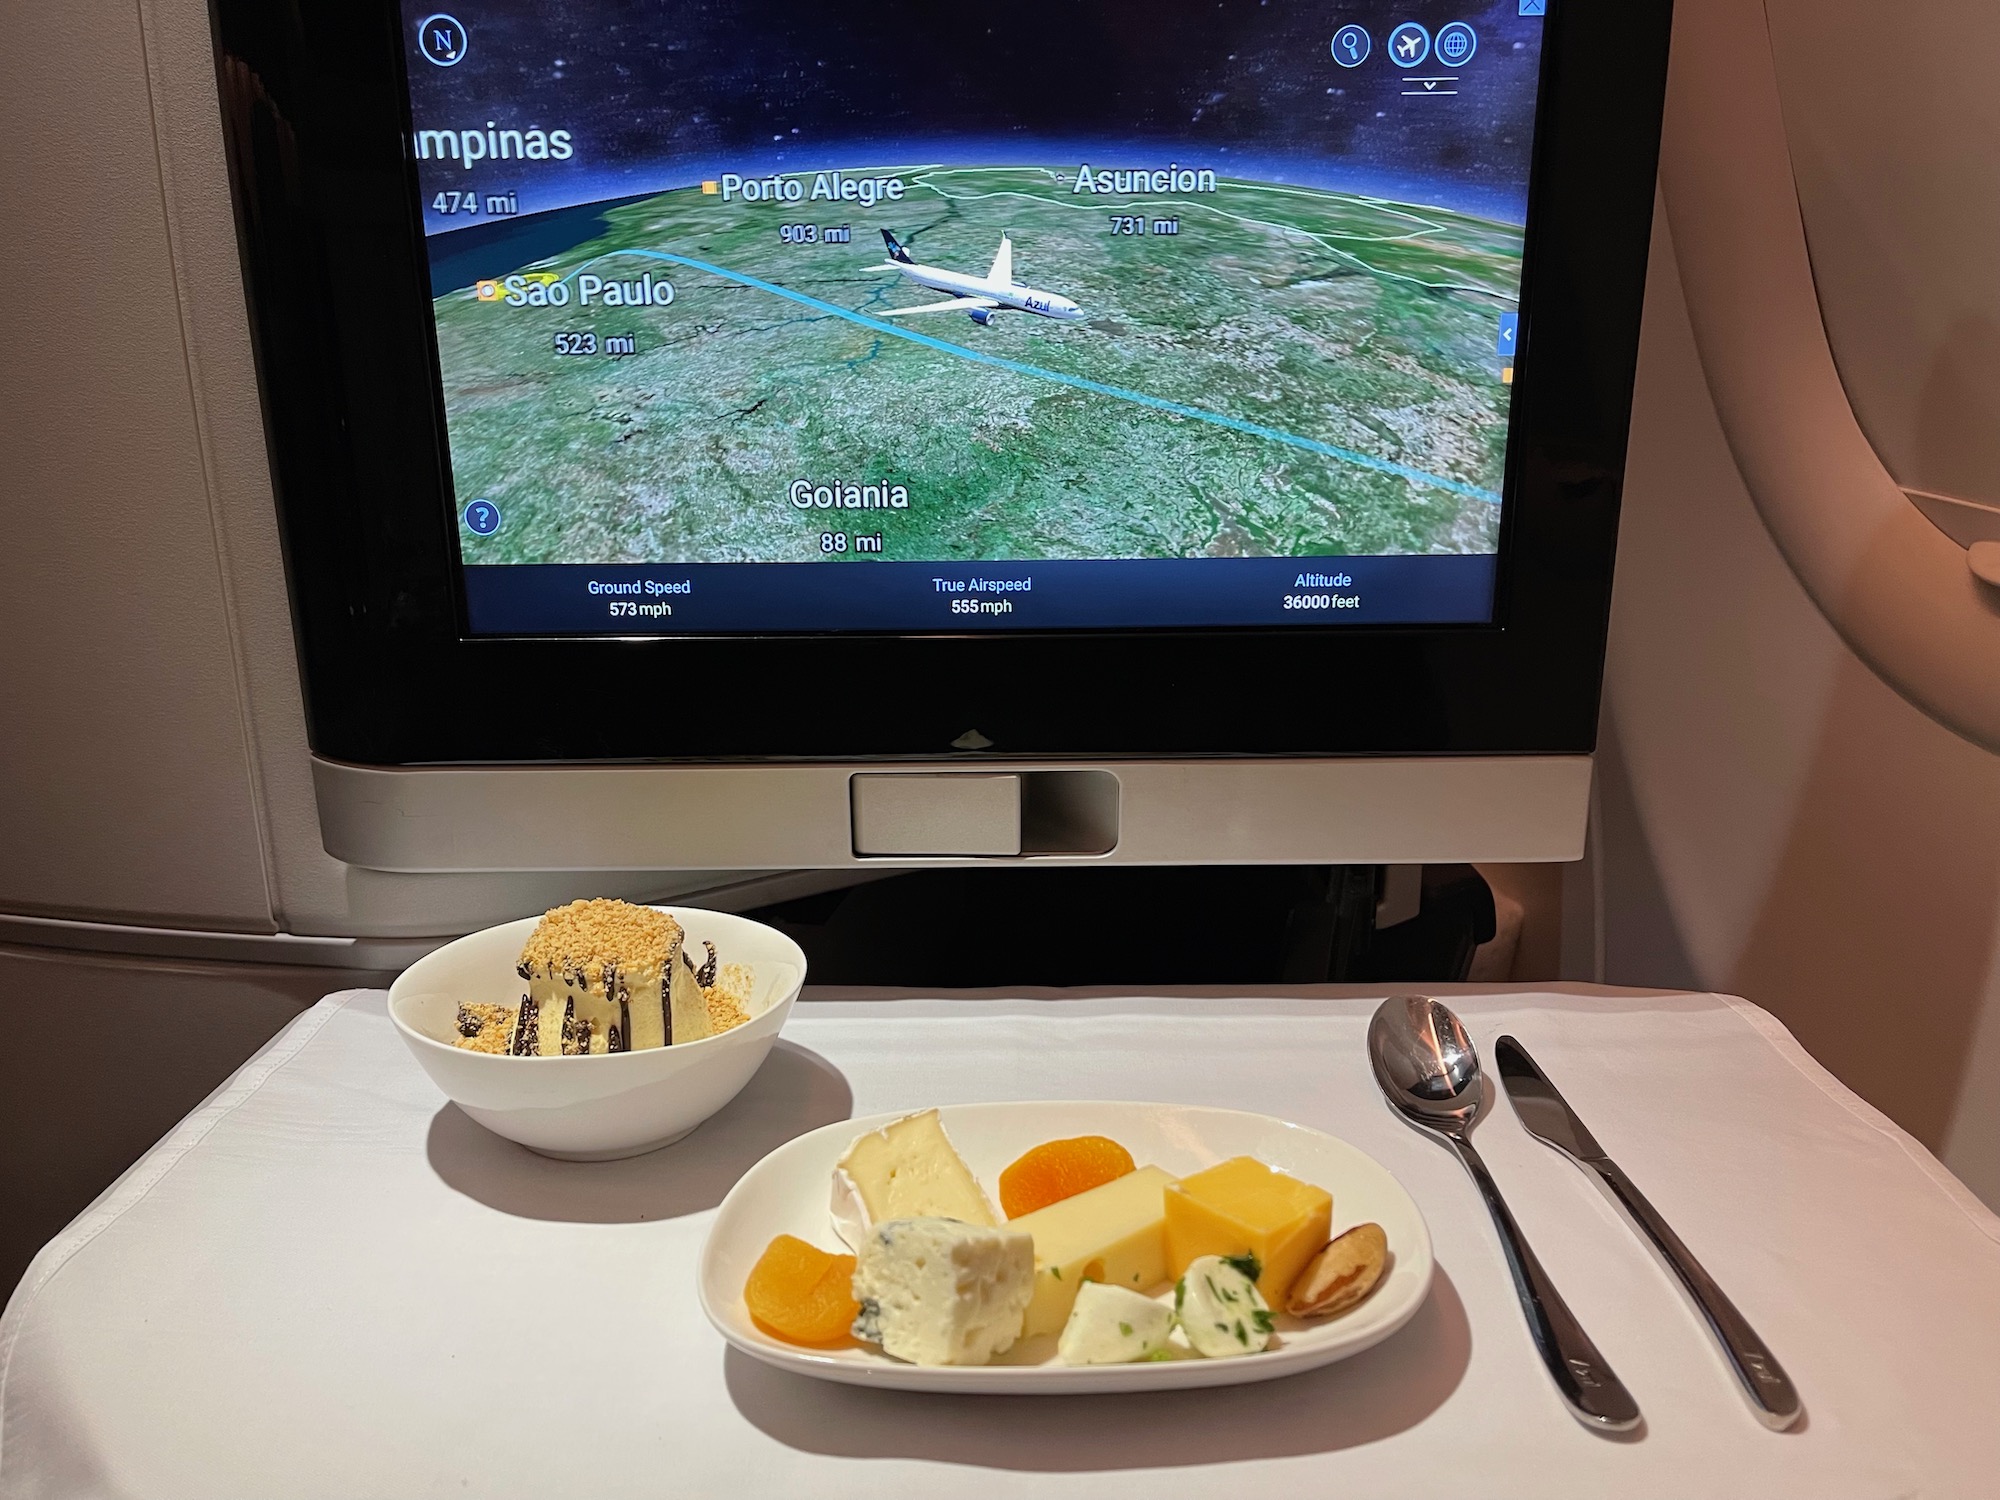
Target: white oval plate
(787, 1193)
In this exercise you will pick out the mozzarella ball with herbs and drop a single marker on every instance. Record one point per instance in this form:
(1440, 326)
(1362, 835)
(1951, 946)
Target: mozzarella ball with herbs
(1220, 1310)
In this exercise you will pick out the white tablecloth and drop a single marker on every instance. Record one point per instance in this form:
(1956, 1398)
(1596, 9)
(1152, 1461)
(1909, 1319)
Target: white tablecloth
(329, 1282)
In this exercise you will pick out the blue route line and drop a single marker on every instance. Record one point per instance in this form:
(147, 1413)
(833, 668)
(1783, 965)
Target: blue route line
(978, 356)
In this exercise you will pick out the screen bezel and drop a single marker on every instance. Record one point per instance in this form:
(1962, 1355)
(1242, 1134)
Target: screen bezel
(315, 116)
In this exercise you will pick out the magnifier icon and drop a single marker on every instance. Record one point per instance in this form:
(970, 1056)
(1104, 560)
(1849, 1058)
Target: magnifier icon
(1351, 46)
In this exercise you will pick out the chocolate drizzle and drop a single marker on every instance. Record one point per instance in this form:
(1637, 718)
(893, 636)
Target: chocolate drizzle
(705, 975)
(527, 1028)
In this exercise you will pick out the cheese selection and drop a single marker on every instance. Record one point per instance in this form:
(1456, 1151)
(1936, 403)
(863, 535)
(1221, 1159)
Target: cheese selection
(608, 976)
(1142, 1266)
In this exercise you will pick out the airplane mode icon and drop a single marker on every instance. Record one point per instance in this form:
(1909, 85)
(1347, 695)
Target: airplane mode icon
(1409, 45)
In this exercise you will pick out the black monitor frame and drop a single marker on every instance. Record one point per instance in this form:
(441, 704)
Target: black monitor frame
(315, 117)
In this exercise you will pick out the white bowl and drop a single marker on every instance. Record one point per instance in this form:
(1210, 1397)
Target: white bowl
(602, 1107)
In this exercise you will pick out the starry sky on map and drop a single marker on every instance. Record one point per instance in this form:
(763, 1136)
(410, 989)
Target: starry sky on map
(659, 93)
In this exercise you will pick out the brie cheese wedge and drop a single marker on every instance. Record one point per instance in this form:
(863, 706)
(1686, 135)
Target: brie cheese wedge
(906, 1170)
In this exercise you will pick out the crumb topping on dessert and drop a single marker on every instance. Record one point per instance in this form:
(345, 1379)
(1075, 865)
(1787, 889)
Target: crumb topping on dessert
(589, 969)
(587, 935)
(724, 1013)
(485, 1028)
(727, 994)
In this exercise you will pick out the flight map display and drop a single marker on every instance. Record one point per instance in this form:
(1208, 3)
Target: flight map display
(773, 315)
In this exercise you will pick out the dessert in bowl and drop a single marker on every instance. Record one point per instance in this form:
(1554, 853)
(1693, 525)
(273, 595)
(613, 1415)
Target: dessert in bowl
(602, 1029)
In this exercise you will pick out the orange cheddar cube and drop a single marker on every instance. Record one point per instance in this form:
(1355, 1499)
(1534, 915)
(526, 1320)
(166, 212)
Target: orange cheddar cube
(1242, 1207)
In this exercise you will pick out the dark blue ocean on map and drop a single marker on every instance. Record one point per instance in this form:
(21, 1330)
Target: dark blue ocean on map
(459, 257)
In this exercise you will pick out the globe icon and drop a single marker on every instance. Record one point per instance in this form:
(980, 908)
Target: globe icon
(1456, 43)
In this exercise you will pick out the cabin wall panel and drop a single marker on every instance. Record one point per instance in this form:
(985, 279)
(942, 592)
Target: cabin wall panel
(127, 793)
(1776, 821)
(1892, 118)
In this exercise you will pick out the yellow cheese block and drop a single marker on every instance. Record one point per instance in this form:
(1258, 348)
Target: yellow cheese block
(1242, 1207)
(1112, 1233)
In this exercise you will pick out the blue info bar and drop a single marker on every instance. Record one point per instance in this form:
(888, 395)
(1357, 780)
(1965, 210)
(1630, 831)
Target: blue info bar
(922, 598)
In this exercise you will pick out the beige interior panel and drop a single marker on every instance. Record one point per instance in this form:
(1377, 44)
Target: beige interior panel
(127, 791)
(1897, 588)
(1379, 810)
(1774, 820)
(1893, 121)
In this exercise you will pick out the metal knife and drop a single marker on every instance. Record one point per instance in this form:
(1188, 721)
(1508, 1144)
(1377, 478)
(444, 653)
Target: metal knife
(1550, 1119)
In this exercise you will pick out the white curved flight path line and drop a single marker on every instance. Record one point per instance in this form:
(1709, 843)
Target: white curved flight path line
(1078, 382)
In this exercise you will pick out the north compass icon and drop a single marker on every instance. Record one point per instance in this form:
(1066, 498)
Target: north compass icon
(442, 39)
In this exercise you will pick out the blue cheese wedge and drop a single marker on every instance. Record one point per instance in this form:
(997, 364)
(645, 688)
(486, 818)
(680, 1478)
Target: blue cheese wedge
(1113, 1325)
(1219, 1308)
(940, 1292)
(905, 1170)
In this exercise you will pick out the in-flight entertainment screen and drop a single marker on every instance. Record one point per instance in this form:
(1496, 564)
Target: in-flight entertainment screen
(781, 315)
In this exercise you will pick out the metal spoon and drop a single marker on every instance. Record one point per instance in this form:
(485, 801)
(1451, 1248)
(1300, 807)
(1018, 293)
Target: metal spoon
(1427, 1067)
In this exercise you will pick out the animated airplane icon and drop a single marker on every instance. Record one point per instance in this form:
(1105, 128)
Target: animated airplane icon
(978, 297)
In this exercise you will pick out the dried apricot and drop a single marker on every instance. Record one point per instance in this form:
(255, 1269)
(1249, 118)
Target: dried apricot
(1056, 1170)
(800, 1293)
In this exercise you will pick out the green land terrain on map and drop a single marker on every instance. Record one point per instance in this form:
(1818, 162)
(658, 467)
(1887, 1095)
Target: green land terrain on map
(1339, 321)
